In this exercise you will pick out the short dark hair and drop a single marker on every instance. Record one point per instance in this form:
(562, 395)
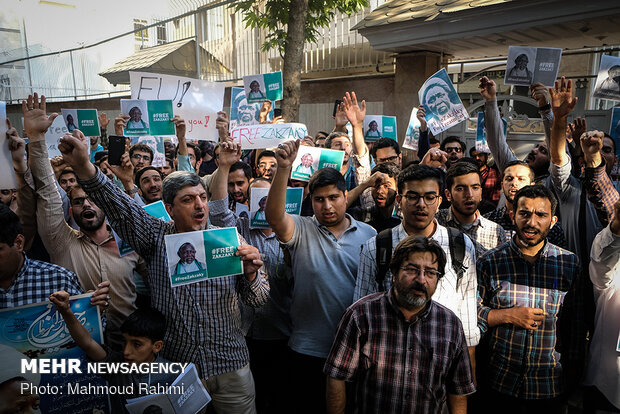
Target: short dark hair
(613, 141)
(146, 322)
(334, 135)
(458, 169)
(67, 171)
(521, 163)
(140, 147)
(99, 155)
(265, 153)
(206, 147)
(76, 187)
(10, 225)
(327, 176)
(413, 244)
(321, 132)
(419, 172)
(177, 180)
(196, 149)
(388, 168)
(141, 171)
(170, 162)
(240, 165)
(384, 143)
(433, 141)
(451, 139)
(535, 191)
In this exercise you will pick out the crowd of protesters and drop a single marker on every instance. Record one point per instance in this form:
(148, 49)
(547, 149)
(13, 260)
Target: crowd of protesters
(447, 283)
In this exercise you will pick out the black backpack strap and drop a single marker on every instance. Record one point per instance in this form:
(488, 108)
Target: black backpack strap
(457, 253)
(383, 256)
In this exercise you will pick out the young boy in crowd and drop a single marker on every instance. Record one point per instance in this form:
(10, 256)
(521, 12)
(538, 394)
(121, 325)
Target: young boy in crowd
(143, 331)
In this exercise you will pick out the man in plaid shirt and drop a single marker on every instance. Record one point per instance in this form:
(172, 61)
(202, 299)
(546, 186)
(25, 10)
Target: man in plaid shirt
(404, 352)
(521, 286)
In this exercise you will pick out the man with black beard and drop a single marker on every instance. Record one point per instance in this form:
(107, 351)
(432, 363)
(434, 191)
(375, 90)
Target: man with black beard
(382, 184)
(91, 252)
(522, 287)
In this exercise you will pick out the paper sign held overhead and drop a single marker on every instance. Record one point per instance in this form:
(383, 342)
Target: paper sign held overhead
(196, 101)
(528, 65)
(8, 181)
(86, 120)
(379, 126)
(148, 117)
(267, 135)
(412, 136)
(442, 104)
(608, 80)
(258, 201)
(311, 159)
(243, 113)
(260, 87)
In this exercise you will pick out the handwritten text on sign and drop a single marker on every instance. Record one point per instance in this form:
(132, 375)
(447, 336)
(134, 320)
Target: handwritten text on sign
(267, 135)
(196, 101)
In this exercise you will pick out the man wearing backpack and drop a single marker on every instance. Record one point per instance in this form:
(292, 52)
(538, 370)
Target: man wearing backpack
(419, 198)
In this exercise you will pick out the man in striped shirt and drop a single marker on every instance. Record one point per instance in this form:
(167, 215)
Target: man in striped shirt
(521, 286)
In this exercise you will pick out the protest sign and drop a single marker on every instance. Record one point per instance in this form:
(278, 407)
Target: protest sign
(528, 65)
(53, 135)
(148, 117)
(311, 159)
(8, 180)
(266, 86)
(196, 101)
(201, 255)
(158, 210)
(267, 135)
(481, 133)
(157, 145)
(443, 106)
(258, 201)
(86, 120)
(244, 113)
(413, 131)
(379, 126)
(608, 79)
(186, 395)
(38, 331)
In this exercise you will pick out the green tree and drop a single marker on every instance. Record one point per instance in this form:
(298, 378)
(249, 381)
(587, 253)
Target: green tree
(289, 24)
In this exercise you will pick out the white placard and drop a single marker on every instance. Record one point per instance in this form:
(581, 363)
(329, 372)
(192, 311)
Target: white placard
(196, 101)
(7, 173)
(267, 135)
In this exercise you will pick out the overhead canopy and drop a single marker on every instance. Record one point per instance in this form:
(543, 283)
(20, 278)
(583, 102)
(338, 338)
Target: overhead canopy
(481, 28)
(174, 58)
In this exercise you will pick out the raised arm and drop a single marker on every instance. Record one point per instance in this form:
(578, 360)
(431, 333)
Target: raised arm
(222, 125)
(135, 226)
(601, 191)
(355, 114)
(562, 103)
(219, 213)
(280, 221)
(541, 94)
(182, 153)
(78, 332)
(103, 124)
(424, 142)
(502, 154)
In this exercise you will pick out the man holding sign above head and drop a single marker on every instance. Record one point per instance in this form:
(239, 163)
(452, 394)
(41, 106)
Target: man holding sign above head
(325, 252)
(203, 316)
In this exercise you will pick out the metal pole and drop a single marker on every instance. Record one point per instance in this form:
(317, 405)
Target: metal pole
(27, 57)
(73, 74)
(197, 29)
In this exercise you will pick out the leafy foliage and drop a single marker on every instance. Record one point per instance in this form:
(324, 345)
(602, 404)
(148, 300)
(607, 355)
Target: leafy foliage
(273, 15)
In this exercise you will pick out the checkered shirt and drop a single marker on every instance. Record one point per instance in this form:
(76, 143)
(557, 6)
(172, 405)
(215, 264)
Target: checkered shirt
(524, 363)
(399, 366)
(36, 281)
(485, 233)
(601, 192)
(491, 184)
(204, 321)
(458, 296)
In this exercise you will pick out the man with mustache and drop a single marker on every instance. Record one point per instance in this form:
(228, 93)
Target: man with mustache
(91, 251)
(419, 198)
(149, 181)
(522, 286)
(400, 334)
(464, 191)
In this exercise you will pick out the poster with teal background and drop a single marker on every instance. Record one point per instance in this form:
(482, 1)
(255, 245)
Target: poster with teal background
(148, 117)
(379, 126)
(258, 201)
(86, 120)
(199, 255)
(481, 134)
(263, 86)
(311, 159)
(157, 209)
(38, 331)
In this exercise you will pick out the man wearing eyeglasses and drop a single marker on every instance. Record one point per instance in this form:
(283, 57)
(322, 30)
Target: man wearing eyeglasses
(386, 150)
(141, 155)
(392, 345)
(454, 147)
(419, 198)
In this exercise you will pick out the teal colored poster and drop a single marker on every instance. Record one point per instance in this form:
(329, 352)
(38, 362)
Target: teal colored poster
(412, 136)
(148, 117)
(260, 87)
(258, 201)
(311, 159)
(442, 104)
(481, 134)
(379, 126)
(86, 120)
(199, 255)
(157, 209)
(38, 331)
